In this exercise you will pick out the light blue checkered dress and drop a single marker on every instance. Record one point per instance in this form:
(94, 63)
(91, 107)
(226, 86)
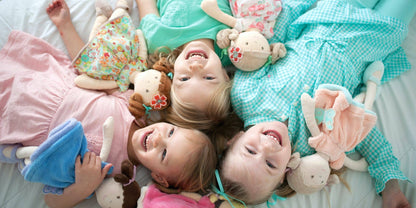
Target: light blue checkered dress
(331, 43)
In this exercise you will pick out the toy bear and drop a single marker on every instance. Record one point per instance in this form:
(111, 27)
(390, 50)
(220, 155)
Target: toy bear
(252, 23)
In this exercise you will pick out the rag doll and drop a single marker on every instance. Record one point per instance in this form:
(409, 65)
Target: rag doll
(115, 56)
(337, 124)
(252, 25)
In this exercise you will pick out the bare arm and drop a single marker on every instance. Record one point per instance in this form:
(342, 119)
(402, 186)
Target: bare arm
(88, 176)
(147, 7)
(59, 14)
(393, 197)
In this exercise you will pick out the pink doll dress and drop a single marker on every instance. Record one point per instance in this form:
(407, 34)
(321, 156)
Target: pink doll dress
(342, 121)
(113, 54)
(260, 14)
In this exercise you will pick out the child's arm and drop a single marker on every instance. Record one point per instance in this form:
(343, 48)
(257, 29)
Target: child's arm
(59, 14)
(88, 176)
(384, 167)
(147, 7)
(393, 196)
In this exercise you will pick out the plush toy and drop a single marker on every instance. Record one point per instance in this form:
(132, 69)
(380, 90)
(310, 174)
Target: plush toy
(252, 23)
(337, 124)
(153, 93)
(121, 191)
(116, 56)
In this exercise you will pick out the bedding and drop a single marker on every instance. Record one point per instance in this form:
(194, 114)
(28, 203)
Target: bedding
(395, 108)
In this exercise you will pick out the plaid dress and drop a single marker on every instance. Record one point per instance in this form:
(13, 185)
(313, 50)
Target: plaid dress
(332, 43)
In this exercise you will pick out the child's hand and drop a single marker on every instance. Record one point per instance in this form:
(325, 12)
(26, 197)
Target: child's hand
(59, 13)
(393, 197)
(88, 174)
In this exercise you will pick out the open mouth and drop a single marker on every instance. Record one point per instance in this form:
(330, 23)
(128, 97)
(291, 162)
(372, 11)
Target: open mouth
(146, 140)
(196, 54)
(274, 135)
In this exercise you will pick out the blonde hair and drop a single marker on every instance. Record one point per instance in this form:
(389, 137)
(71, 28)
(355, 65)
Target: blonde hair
(186, 115)
(198, 172)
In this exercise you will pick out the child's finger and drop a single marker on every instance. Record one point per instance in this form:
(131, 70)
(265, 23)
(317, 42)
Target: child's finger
(105, 170)
(78, 162)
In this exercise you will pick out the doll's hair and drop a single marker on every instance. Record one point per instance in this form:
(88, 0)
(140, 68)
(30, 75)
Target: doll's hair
(198, 173)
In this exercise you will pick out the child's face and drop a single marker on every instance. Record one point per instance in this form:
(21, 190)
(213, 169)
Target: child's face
(258, 158)
(198, 73)
(164, 148)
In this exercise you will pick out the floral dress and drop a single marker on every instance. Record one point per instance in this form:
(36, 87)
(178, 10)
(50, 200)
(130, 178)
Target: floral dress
(113, 54)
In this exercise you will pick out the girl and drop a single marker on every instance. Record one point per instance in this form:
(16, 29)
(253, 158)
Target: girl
(200, 90)
(38, 93)
(332, 43)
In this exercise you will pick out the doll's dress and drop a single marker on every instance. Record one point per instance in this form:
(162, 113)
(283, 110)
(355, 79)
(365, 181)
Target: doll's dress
(342, 121)
(113, 54)
(260, 14)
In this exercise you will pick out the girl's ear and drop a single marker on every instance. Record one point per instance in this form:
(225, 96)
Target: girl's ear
(235, 137)
(160, 180)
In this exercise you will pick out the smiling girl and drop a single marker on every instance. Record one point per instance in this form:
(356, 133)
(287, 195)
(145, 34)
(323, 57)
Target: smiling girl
(37, 97)
(201, 86)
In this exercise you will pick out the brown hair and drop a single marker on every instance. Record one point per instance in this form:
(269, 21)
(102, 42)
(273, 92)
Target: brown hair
(198, 172)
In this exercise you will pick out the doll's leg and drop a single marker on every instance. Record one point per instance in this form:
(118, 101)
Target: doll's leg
(401, 9)
(25, 153)
(123, 7)
(103, 11)
(371, 78)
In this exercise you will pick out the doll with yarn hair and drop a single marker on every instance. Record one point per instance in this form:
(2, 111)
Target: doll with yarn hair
(252, 25)
(337, 123)
(115, 56)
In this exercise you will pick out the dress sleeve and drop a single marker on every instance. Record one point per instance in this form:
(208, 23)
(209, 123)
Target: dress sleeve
(291, 10)
(383, 165)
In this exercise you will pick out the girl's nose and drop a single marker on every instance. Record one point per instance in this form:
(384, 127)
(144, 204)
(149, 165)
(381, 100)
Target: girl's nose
(157, 139)
(195, 66)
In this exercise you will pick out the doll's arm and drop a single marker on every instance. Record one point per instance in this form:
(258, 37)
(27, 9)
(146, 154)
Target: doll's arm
(86, 82)
(88, 176)
(147, 7)
(213, 10)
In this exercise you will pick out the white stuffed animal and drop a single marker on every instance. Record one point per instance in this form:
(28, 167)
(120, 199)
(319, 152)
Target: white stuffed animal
(252, 23)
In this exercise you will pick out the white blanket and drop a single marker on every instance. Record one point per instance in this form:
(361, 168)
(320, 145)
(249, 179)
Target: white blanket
(395, 108)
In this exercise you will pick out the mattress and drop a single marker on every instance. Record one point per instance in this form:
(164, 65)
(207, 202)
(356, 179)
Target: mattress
(395, 108)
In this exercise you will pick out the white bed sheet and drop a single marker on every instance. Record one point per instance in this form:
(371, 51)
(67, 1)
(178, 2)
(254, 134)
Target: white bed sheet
(395, 108)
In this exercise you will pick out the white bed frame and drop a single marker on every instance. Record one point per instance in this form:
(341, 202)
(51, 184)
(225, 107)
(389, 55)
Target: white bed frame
(395, 108)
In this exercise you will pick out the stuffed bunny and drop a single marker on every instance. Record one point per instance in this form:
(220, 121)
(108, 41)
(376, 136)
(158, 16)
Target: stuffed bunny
(252, 24)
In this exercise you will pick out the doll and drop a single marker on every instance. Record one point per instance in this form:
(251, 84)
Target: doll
(116, 56)
(337, 124)
(252, 25)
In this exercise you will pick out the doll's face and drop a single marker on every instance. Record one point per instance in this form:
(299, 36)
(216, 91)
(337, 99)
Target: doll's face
(164, 148)
(198, 73)
(258, 158)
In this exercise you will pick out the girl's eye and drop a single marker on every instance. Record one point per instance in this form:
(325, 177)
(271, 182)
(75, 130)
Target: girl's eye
(183, 79)
(209, 78)
(171, 132)
(270, 164)
(164, 154)
(250, 151)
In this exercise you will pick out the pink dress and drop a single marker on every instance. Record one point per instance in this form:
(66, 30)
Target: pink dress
(37, 94)
(342, 121)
